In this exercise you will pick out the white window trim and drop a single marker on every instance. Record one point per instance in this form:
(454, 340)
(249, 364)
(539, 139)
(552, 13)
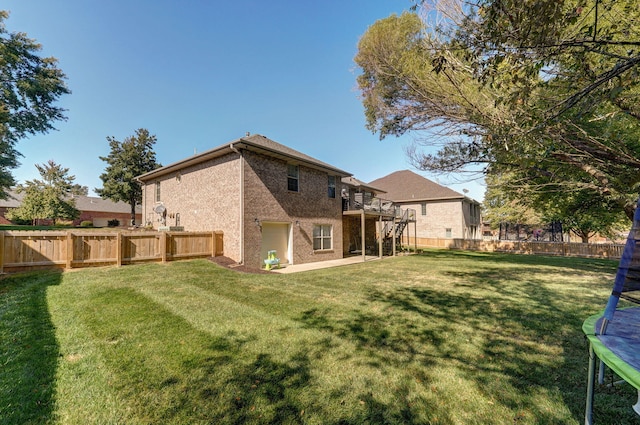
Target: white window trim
(323, 237)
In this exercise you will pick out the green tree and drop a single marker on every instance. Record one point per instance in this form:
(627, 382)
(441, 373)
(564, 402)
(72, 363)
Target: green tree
(128, 159)
(585, 212)
(544, 89)
(50, 197)
(30, 86)
(502, 206)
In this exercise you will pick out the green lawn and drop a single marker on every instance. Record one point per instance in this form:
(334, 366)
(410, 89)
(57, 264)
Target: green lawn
(440, 338)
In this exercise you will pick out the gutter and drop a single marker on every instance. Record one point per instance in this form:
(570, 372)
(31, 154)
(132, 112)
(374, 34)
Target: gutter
(241, 191)
(143, 221)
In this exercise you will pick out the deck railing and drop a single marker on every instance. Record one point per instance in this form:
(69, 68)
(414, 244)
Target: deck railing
(30, 250)
(376, 205)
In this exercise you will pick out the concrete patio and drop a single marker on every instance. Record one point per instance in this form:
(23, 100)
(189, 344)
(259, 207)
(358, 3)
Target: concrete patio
(295, 268)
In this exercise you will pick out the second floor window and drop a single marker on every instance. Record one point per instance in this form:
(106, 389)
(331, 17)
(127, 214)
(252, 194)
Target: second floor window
(332, 187)
(424, 209)
(293, 177)
(157, 191)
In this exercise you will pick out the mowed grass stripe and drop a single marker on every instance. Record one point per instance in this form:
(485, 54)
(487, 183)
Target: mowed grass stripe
(441, 338)
(177, 375)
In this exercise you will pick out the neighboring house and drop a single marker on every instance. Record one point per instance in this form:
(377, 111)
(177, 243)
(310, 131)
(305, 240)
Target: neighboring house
(264, 196)
(97, 210)
(100, 211)
(440, 211)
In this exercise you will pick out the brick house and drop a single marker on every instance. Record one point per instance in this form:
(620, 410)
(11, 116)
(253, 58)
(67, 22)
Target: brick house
(440, 211)
(261, 194)
(266, 196)
(97, 210)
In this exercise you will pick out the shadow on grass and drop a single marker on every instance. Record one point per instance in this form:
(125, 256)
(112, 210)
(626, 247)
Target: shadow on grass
(500, 327)
(596, 265)
(28, 349)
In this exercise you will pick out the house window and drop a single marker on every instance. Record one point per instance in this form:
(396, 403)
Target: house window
(293, 176)
(332, 187)
(157, 191)
(322, 237)
(424, 209)
(447, 233)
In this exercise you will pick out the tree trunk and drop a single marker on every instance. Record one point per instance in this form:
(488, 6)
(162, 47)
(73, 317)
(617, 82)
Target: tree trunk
(133, 213)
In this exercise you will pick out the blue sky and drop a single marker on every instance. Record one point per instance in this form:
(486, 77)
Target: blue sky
(200, 73)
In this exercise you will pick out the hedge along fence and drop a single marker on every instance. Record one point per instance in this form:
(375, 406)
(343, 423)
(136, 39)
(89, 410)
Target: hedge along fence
(566, 249)
(31, 250)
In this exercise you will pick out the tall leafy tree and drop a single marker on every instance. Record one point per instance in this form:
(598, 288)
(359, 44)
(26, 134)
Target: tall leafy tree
(127, 160)
(543, 89)
(50, 197)
(29, 88)
(585, 212)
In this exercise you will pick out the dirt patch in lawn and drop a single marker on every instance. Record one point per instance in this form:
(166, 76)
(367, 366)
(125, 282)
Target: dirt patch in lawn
(232, 265)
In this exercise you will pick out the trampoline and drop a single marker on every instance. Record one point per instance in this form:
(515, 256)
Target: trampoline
(614, 335)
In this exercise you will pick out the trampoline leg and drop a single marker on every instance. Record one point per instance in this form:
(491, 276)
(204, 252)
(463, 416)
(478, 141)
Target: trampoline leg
(601, 369)
(588, 415)
(636, 406)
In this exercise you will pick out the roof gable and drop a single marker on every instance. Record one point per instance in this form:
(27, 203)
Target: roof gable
(405, 185)
(256, 143)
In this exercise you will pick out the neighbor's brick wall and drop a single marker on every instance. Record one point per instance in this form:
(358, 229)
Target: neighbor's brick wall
(268, 200)
(440, 216)
(206, 196)
(123, 218)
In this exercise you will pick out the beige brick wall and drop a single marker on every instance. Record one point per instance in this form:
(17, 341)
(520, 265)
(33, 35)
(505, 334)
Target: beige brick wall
(206, 196)
(268, 199)
(454, 214)
(440, 216)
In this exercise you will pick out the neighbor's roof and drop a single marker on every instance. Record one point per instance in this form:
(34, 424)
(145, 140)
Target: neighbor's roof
(407, 186)
(352, 181)
(91, 203)
(255, 143)
(83, 203)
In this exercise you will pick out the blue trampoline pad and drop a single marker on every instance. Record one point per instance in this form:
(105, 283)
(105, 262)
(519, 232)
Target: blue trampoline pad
(619, 348)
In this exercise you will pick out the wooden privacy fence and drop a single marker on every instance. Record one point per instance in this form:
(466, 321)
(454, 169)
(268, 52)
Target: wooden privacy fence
(29, 250)
(566, 249)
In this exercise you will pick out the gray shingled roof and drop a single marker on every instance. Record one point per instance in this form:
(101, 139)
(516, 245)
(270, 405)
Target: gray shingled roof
(352, 181)
(254, 142)
(90, 203)
(406, 186)
(83, 203)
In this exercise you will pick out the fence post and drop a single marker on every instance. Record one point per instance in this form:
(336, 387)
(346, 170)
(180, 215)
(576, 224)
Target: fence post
(163, 246)
(119, 249)
(2, 252)
(69, 250)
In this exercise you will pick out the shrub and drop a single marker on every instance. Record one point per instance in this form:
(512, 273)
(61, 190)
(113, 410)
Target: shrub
(86, 223)
(113, 223)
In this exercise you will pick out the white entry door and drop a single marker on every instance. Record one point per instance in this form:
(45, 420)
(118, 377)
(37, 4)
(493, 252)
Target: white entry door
(275, 236)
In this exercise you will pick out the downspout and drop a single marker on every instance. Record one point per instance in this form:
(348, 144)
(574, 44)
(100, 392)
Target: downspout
(234, 149)
(143, 221)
